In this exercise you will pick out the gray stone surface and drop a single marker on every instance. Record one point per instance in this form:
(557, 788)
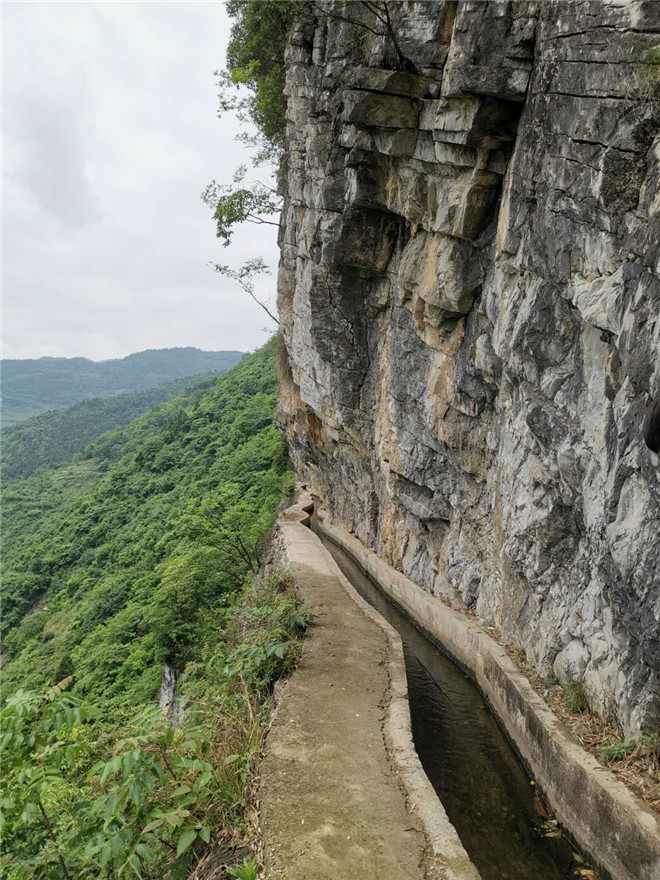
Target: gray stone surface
(470, 302)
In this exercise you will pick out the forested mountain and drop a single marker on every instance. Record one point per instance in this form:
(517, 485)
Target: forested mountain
(32, 386)
(53, 437)
(131, 557)
(80, 541)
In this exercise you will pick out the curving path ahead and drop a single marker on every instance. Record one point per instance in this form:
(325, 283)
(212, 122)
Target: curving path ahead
(342, 791)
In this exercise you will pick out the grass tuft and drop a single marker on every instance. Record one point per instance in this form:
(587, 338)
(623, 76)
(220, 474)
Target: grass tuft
(575, 697)
(641, 746)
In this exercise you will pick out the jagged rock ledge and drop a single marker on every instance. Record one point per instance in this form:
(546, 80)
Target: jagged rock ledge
(470, 301)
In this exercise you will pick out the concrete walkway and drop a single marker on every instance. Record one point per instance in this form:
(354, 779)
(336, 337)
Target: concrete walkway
(337, 792)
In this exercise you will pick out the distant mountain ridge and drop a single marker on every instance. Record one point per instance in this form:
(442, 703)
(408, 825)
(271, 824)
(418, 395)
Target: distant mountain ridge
(49, 438)
(32, 386)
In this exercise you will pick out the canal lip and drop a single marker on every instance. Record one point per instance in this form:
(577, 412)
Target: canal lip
(618, 831)
(536, 815)
(449, 859)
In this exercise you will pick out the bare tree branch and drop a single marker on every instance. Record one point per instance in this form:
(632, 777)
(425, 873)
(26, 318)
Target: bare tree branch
(381, 12)
(244, 278)
(336, 16)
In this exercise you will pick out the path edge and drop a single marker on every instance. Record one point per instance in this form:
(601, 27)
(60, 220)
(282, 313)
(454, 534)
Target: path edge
(448, 859)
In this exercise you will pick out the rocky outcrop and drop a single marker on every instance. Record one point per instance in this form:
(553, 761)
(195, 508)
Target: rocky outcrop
(470, 302)
(168, 695)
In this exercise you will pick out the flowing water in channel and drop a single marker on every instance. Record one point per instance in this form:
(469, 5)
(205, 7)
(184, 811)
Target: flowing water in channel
(480, 780)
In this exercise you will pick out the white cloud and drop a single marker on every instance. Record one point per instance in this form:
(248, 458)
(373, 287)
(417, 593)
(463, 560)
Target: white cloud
(111, 135)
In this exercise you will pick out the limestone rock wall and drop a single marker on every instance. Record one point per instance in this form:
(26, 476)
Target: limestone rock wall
(470, 303)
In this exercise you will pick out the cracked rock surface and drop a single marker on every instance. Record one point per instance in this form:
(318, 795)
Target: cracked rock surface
(470, 304)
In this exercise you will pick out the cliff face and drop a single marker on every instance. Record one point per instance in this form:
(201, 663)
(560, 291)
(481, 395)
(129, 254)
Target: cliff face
(471, 308)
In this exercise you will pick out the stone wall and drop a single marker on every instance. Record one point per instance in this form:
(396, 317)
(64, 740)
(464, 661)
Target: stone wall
(470, 303)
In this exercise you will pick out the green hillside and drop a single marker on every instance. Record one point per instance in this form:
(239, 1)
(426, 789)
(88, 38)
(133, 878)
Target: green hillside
(85, 535)
(54, 437)
(141, 552)
(32, 386)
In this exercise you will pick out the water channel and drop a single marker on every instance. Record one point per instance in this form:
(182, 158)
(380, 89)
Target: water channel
(479, 778)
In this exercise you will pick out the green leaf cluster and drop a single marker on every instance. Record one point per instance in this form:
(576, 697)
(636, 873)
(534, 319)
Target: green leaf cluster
(240, 202)
(255, 59)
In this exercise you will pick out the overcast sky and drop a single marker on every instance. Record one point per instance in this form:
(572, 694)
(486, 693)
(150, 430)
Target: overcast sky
(110, 136)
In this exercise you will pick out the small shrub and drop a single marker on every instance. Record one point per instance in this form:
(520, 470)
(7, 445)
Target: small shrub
(616, 752)
(645, 79)
(575, 697)
(619, 750)
(246, 871)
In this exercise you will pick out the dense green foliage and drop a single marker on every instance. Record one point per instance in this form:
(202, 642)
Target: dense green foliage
(32, 386)
(74, 807)
(53, 437)
(131, 556)
(255, 58)
(109, 584)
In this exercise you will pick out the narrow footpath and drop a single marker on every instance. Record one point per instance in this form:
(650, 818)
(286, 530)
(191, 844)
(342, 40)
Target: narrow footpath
(342, 792)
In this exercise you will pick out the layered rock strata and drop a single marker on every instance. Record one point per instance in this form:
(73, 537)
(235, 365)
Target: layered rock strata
(470, 303)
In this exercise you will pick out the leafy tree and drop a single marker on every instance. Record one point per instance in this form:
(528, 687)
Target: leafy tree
(252, 85)
(226, 521)
(194, 579)
(255, 60)
(236, 203)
